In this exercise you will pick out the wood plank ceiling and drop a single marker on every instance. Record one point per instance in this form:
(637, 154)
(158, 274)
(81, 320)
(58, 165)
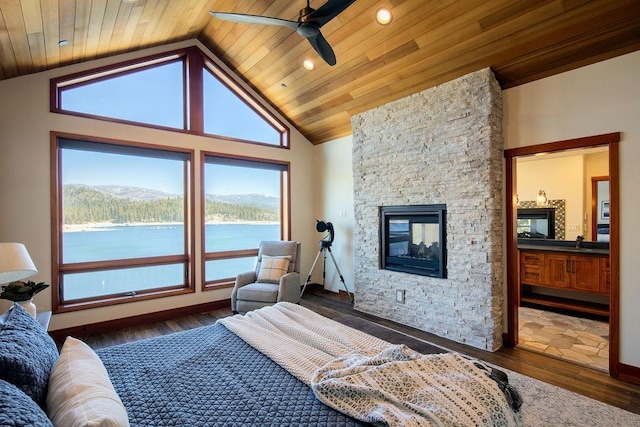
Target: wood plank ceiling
(427, 43)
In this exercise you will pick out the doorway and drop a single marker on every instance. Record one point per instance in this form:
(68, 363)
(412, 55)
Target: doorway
(609, 141)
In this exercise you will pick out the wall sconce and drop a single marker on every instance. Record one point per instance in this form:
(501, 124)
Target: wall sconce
(541, 199)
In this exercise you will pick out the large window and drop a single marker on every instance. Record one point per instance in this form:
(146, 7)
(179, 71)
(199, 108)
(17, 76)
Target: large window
(245, 201)
(133, 96)
(122, 227)
(181, 90)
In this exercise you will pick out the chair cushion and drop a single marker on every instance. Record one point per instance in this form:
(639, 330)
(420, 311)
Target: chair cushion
(272, 268)
(263, 292)
(280, 248)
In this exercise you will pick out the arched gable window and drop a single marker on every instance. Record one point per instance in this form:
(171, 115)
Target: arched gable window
(181, 91)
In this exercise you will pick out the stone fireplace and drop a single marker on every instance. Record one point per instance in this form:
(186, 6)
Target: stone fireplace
(442, 146)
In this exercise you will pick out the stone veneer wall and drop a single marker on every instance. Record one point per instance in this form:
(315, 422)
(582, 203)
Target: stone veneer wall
(442, 145)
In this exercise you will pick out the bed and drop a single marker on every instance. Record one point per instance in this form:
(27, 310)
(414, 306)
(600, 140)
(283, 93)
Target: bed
(278, 366)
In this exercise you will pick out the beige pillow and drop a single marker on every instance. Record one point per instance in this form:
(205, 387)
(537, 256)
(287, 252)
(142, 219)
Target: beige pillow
(80, 392)
(272, 268)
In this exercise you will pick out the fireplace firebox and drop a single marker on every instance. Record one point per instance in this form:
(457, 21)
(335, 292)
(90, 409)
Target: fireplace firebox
(413, 239)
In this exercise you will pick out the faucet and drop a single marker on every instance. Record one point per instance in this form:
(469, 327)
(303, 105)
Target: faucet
(579, 241)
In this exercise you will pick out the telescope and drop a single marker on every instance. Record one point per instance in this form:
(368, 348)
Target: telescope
(321, 227)
(325, 246)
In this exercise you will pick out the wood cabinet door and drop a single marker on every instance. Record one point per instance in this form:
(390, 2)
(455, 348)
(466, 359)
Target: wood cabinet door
(586, 273)
(605, 276)
(558, 270)
(532, 268)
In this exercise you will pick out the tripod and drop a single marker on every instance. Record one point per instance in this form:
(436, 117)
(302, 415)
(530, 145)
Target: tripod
(325, 246)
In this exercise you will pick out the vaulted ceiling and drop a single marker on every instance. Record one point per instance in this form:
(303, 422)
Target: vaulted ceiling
(427, 43)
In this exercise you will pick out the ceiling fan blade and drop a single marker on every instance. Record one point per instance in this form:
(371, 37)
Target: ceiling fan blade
(254, 19)
(328, 11)
(320, 44)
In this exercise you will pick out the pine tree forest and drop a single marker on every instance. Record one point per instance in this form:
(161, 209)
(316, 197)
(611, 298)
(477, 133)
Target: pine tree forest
(84, 205)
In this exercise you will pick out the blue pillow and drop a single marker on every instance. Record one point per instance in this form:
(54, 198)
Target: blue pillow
(18, 410)
(27, 354)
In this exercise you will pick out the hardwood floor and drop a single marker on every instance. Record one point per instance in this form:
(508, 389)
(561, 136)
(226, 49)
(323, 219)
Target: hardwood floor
(582, 380)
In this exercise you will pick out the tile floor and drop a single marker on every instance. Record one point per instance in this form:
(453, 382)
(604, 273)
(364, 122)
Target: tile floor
(582, 341)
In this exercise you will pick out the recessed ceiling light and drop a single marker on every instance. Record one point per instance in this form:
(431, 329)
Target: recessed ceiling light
(63, 42)
(308, 65)
(383, 16)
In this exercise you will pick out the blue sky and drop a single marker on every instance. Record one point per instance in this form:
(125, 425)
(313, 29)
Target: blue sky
(152, 96)
(236, 180)
(91, 168)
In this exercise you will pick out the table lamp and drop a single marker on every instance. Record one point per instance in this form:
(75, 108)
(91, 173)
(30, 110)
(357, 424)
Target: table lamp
(16, 264)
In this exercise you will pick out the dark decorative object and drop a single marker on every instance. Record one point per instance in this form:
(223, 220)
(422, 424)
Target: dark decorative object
(21, 291)
(413, 239)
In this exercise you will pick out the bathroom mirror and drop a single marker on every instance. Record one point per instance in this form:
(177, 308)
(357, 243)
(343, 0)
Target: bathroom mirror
(565, 181)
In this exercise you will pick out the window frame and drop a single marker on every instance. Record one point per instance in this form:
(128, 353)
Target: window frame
(59, 268)
(285, 216)
(195, 64)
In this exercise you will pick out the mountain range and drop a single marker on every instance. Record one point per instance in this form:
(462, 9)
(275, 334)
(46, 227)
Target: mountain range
(147, 194)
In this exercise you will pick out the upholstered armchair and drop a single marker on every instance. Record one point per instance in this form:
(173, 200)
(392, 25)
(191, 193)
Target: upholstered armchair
(276, 278)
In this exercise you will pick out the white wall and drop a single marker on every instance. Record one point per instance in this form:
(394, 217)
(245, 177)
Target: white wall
(25, 125)
(334, 202)
(597, 99)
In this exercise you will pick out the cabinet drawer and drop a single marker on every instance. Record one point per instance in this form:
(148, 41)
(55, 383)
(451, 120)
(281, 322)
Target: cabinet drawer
(532, 268)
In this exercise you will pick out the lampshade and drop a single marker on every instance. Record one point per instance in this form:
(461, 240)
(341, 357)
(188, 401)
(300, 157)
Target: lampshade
(15, 263)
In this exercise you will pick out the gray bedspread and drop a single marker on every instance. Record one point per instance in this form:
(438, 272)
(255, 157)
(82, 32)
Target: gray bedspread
(210, 377)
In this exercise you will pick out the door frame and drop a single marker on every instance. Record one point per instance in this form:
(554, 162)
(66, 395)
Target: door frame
(611, 140)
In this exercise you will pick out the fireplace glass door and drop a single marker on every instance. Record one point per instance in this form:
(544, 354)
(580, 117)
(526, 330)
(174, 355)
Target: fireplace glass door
(413, 239)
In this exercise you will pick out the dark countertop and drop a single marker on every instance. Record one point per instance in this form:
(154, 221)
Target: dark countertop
(598, 248)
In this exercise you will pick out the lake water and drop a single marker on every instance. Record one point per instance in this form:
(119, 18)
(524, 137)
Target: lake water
(135, 241)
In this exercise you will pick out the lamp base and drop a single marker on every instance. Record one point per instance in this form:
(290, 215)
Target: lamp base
(29, 306)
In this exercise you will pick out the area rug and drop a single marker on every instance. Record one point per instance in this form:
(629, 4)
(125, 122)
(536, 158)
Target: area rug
(543, 404)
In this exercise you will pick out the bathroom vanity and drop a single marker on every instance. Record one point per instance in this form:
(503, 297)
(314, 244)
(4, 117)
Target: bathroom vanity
(557, 274)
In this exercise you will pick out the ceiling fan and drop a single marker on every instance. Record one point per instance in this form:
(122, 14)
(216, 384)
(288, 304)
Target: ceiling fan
(308, 24)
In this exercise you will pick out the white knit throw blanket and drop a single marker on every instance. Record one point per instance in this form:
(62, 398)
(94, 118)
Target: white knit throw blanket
(370, 379)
